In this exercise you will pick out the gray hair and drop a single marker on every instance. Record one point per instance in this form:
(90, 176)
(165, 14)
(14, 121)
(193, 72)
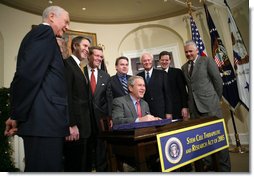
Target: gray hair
(145, 53)
(132, 80)
(190, 42)
(55, 9)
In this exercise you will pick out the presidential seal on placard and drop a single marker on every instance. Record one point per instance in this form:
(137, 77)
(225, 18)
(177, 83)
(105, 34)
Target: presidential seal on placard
(174, 150)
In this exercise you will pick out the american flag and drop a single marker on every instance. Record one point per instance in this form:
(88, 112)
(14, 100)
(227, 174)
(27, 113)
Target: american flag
(230, 91)
(196, 37)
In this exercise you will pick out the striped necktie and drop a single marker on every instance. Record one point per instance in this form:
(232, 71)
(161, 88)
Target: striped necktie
(124, 84)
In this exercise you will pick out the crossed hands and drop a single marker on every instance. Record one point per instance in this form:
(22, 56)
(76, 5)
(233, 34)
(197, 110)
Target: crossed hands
(74, 134)
(10, 127)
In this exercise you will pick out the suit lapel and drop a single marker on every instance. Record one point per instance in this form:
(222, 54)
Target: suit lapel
(117, 82)
(152, 77)
(78, 70)
(196, 65)
(143, 74)
(99, 81)
(87, 76)
(131, 106)
(143, 108)
(185, 70)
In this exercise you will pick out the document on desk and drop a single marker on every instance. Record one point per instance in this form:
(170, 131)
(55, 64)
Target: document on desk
(136, 125)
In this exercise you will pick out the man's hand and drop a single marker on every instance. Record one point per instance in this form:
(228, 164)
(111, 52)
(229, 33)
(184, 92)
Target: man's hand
(10, 127)
(74, 134)
(148, 117)
(185, 114)
(168, 116)
(110, 123)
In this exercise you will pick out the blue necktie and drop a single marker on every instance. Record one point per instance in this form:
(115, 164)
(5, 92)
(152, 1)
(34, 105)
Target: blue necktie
(147, 77)
(124, 84)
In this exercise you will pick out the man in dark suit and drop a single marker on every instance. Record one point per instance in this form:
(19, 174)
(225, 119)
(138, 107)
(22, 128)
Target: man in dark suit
(157, 96)
(39, 105)
(125, 109)
(119, 80)
(76, 151)
(177, 85)
(205, 92)
(100, 103)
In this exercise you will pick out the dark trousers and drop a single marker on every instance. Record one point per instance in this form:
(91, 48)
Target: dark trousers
(219, 162)
(77, 156)
(98, 154)
(43, 154)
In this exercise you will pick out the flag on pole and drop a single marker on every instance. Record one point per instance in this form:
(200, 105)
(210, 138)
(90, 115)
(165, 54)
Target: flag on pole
(230, 91)
(196, 37)
(241, 61)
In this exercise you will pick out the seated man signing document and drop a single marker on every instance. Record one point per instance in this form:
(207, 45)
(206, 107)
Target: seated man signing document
(132, 108)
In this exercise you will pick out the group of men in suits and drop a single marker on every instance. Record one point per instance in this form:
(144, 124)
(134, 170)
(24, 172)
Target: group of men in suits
(165, 91)
(56, 106)
(89, 98)
(166, 96)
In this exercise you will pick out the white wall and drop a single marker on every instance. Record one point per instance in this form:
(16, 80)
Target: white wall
(121, 38)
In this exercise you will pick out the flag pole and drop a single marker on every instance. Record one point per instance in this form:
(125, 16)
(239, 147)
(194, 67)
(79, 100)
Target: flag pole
(238, 148)
(188, 2)
(233, 21)
(225, 65)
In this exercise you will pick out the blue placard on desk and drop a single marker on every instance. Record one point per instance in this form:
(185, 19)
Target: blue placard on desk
(183, 146)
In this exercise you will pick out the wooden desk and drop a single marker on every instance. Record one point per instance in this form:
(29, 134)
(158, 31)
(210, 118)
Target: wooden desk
(137, 145)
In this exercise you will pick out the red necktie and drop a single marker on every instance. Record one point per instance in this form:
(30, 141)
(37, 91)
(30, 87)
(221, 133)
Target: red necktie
(93, 82)
(138, 109)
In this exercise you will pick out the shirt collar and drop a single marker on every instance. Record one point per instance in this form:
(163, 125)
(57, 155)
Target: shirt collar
(166, 69)
(89, 68)
(76, 59)
(194, 60)
(44, 23)
(134, 100)
(150, 71)
(121, 76)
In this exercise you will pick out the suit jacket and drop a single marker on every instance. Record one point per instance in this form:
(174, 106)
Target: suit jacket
(78, 97)
(116, 86)
(101, 101)
(204, 86)
(177, 89)
(38, 90)
(156, 95)
(123, 110)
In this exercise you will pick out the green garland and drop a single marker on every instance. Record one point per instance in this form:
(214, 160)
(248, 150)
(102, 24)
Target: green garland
(6, 151)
